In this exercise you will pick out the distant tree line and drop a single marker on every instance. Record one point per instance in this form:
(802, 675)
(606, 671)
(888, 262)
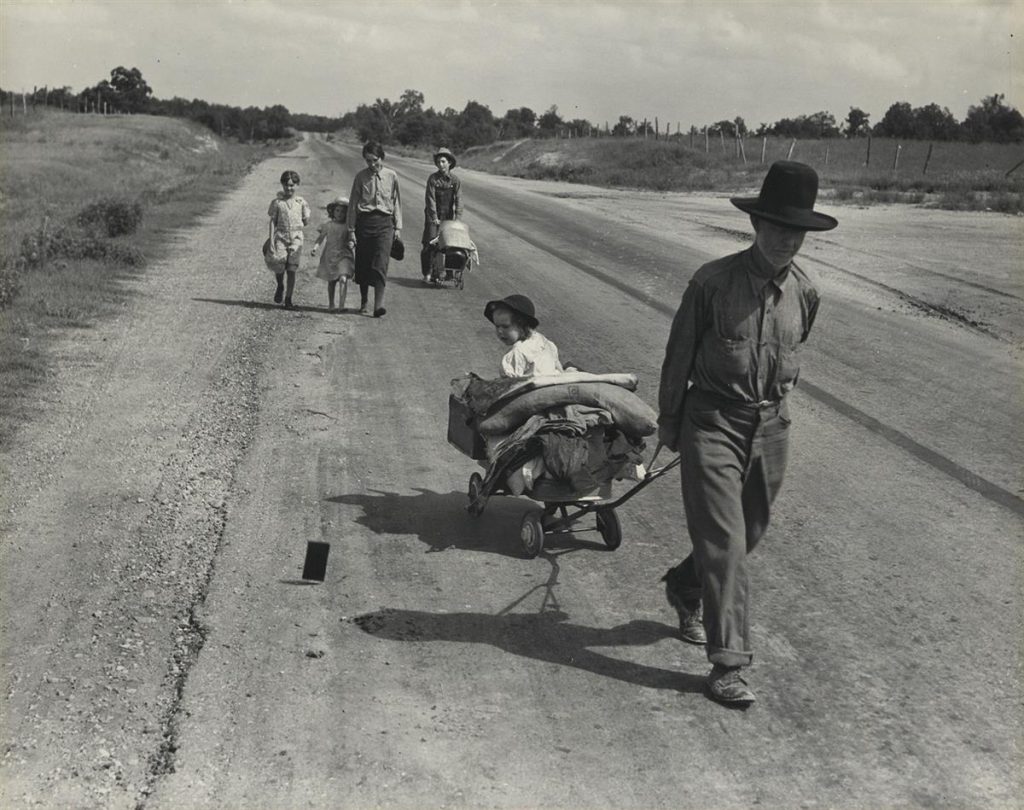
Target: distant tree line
(127, 92)
(407, 122)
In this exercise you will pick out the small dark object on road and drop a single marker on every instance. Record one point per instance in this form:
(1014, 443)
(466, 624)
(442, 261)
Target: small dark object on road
(315, 566)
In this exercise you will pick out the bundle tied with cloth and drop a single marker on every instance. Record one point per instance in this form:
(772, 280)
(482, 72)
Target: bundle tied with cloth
(577, 430)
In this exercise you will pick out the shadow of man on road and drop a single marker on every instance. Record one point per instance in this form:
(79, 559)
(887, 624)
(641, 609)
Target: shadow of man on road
(547, 636)
(441, 522)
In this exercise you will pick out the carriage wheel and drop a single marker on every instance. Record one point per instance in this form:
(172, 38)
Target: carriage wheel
(531, 534)
(610, 528)
(459, 283)
(476, 504)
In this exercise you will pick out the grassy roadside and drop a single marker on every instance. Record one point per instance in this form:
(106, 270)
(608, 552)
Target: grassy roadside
(86, 202)
(958, 176)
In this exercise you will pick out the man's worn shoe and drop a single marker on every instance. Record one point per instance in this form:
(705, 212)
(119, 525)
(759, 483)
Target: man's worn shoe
(726, 685)
(691, 621)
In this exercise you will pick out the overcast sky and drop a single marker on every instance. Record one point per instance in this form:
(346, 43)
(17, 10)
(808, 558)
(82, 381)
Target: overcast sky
(692, 61)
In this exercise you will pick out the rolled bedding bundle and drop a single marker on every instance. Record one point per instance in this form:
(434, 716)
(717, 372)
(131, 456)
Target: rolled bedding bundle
(630, 414)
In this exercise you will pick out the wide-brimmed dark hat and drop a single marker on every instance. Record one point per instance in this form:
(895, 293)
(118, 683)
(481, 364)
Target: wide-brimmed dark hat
(787, 198)
(517, 303)
(444, 151)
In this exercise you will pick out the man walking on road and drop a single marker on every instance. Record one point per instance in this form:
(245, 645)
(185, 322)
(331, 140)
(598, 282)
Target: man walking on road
(732, 356)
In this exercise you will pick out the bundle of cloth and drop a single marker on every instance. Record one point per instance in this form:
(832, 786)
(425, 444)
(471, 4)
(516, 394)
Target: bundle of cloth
(579, 429)
(454, 242)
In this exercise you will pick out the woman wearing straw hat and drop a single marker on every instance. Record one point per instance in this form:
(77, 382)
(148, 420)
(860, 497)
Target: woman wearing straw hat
(444, 201)
(733, 355)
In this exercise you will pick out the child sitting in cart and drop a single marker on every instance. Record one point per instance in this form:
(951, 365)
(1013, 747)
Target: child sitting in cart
(515, 321)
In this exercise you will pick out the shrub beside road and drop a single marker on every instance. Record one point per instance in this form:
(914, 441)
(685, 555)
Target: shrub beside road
(87, 199)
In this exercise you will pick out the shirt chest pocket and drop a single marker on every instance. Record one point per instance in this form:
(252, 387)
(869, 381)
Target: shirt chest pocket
(729, 357)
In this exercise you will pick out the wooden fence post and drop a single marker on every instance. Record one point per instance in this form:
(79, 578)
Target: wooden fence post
(743, 152)
(927, 159)
(764, 146)
(826, 153)
(707, 145)
(42, 241)
(657, 128)
(721, 137)
(792, 146)
(1016, 166)
(896, 157)
(867, 160)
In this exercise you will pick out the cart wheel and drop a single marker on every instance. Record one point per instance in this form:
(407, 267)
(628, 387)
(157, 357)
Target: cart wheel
(610, 528)
(458, 280)
(531, 533)
(476, 485)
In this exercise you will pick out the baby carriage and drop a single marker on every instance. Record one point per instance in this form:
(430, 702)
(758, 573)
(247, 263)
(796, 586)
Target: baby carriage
(576, 433)
(453, 254)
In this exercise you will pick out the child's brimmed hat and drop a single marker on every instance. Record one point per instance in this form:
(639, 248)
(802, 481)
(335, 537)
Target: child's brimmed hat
(445, 152)
(337, 201)
(519, 304)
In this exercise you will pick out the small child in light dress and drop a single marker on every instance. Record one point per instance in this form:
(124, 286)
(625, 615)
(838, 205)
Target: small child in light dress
(515, 321)
(337, 262)
(289, 214)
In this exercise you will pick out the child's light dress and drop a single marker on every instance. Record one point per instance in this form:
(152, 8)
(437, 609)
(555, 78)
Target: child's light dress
(533, 355)
(336, 260)
(289, 216)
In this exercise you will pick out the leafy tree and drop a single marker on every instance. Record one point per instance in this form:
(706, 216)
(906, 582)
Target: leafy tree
(475, 125)
(935, 122)
(898, 122)
(993, 120)
(625, 126)
(519, 123)
(130, 91)
(411, 102)
(550, 123)
(727, 128)
(387, 114)
(857, 123)
(825, 124)
(579, 127)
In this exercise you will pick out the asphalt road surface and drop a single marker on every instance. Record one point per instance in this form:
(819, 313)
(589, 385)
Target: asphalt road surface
(160, 649)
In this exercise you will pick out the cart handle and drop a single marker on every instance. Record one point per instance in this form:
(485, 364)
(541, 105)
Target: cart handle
(652, 475)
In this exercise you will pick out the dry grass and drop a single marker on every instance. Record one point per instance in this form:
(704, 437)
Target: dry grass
(959, 175)
(53, 167)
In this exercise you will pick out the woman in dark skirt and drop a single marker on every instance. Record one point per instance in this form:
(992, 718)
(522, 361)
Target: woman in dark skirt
(374, 222)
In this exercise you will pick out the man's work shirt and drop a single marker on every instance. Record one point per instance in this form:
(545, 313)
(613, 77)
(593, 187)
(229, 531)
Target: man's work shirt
(375, 191)
(737, 335)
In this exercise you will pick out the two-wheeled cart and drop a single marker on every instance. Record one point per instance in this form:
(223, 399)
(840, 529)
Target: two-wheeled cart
(562, 507)
(452, 254)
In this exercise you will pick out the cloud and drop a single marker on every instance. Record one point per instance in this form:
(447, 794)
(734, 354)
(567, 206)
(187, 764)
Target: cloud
(692, 60)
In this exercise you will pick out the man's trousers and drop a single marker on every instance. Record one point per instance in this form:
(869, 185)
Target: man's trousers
(733, 462)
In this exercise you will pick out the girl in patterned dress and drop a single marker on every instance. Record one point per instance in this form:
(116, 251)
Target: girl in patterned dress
(337, 262)
(289, 214)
